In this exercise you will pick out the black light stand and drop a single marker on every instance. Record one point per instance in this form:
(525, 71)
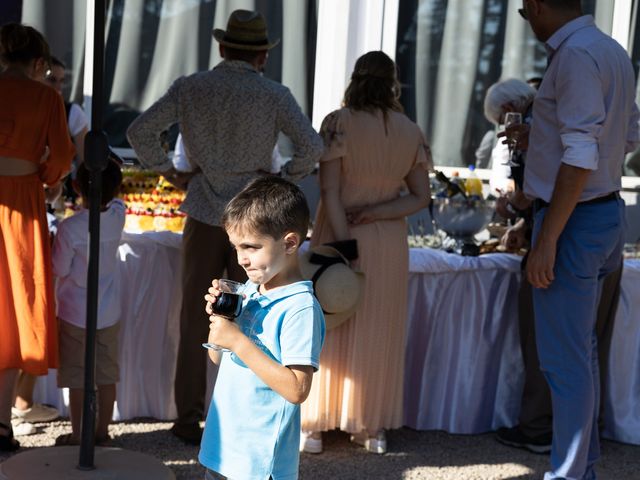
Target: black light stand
(59, 462)
(97, 156)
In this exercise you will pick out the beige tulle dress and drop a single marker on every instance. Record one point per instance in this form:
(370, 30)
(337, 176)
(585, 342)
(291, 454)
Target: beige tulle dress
(359, 385)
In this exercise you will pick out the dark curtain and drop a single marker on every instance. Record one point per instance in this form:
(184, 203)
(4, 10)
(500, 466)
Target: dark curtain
(150, 43)
(449, 52)
(10, 11)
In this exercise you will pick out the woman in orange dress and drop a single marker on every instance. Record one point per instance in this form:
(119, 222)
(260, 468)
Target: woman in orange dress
(374, 173)
(35, 149)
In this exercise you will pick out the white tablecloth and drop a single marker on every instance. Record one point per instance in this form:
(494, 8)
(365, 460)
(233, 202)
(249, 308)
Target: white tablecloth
(150, 266)
(464, 368)
(622, 407)
(463, 363)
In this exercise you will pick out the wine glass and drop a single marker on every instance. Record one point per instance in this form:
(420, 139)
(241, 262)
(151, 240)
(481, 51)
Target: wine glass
(511, 119)
(228, 304)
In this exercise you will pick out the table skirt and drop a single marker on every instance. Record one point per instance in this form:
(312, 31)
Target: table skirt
(463, 364)
(464, 371)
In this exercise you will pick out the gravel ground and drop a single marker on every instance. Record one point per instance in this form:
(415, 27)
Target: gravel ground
(412, 455)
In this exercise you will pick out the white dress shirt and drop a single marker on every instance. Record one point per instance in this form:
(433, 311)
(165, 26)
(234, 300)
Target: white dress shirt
(584, 114)
(71, 261)
(500, 169)
(77, 120)
(180, 159)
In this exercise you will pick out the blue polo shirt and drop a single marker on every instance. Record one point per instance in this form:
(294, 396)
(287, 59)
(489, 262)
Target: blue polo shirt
(251, 431)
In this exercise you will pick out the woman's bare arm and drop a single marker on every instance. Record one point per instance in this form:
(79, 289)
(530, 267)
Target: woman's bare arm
(418, 197)
(330, 177)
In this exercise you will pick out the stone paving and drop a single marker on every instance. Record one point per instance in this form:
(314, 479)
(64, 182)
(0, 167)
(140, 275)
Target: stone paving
(412, 455)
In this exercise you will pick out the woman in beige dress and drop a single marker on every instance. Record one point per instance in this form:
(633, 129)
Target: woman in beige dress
(374, 173)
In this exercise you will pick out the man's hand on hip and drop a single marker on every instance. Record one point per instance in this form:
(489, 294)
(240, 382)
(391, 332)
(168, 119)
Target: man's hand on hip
(179, 179)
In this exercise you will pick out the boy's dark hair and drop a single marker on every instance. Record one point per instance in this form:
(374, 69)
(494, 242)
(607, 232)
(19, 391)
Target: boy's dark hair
(269, 206)
(111, 181)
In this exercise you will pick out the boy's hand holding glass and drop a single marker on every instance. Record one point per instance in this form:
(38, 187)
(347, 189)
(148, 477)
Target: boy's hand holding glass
(222, 334)
(224, 304)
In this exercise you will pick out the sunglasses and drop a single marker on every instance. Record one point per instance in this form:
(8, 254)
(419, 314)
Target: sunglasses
(523, 13)
(52, 79)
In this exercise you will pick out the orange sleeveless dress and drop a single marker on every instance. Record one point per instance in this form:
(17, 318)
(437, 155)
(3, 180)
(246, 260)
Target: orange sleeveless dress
(32, 117)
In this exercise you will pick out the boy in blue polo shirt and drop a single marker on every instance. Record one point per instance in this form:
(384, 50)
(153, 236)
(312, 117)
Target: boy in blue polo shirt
(253, 425)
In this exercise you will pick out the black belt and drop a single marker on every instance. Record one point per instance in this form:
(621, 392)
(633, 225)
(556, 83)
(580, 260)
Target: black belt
(538, 203)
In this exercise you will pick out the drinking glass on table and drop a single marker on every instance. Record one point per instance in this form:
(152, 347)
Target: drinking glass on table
(511, 119)
(228, 304)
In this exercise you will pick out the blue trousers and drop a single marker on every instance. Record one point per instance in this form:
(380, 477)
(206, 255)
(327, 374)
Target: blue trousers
(588, 249)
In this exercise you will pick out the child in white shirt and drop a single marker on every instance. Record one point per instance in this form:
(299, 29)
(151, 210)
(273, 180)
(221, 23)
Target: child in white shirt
(70, 265)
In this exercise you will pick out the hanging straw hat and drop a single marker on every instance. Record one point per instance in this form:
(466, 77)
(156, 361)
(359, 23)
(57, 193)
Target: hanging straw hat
(246, 30)
(337, 287)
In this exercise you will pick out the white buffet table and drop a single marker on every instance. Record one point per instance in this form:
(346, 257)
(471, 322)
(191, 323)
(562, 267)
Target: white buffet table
(150, 266)
(464, 368)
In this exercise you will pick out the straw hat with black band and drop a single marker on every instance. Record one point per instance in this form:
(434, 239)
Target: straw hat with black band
(337, 287)
(246, 30)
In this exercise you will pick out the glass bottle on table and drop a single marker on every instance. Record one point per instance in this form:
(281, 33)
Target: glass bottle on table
(473, 185)
(453, 189)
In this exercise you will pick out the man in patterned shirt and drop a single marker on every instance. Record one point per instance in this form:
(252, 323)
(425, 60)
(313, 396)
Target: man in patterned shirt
(229, 118)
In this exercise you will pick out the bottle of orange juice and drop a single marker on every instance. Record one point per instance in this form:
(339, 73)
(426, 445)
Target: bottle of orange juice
(473, 185)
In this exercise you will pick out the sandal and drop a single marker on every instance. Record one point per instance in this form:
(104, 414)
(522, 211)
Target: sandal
(7, 442)
(377, 444)
(66, 439)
